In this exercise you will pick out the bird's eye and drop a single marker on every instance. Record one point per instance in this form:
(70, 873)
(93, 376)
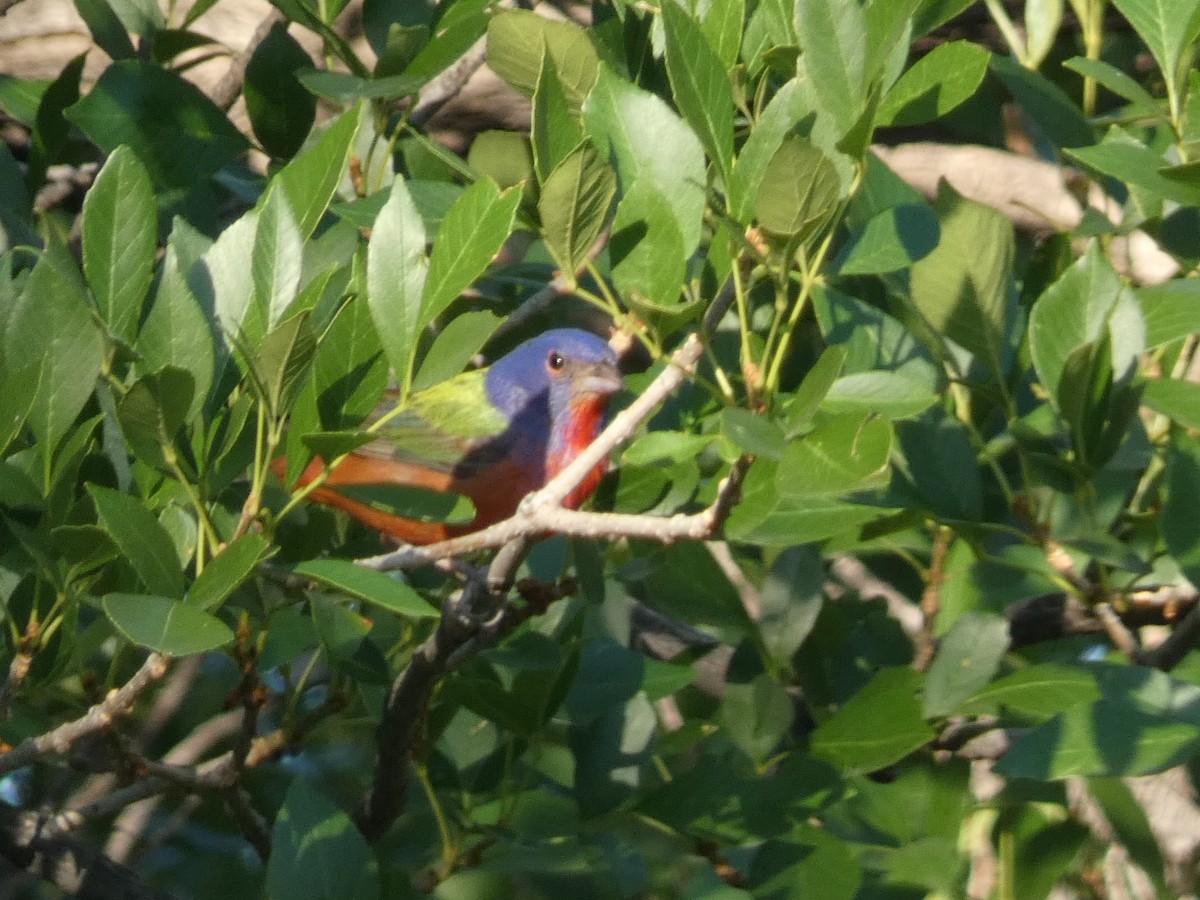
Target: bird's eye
(556, 361)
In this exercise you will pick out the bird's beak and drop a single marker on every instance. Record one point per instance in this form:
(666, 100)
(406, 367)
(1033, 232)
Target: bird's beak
(600, 378)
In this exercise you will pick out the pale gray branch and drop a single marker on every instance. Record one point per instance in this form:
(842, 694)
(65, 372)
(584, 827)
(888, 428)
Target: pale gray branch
(96, 719)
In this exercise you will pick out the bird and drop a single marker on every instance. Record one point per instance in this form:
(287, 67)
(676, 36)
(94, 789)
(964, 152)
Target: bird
(492, 435)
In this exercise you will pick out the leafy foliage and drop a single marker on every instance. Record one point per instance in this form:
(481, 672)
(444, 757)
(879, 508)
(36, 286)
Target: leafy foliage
(993, 422)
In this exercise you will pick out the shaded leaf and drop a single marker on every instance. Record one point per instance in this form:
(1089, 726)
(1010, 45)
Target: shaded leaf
(369, 585)
(879, 725)
(120, 237)
(165, 625)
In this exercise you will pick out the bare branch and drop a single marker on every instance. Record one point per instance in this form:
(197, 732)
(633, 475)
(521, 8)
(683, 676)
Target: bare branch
(1182, 639)
(70, 865)
(254, 826)
(446, 86)
(17, 670)
(96, 719)
(230, 86)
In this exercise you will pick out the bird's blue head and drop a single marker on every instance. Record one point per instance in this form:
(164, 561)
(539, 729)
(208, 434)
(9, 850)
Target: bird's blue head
(545, 376)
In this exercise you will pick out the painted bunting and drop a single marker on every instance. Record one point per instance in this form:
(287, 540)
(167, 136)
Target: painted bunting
(492, 435)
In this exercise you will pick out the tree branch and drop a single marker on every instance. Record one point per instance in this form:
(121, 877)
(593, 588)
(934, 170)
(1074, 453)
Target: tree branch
(99, 717)
(70, 865)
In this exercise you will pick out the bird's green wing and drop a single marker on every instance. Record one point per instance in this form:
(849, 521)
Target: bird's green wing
(441, 424)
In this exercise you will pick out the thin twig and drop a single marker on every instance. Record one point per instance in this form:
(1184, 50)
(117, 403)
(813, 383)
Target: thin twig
(1178, 644)
(254, 827)
(446, 86)
(230, 86)
(99, 717)
(17, 670)
(931, 599)
(72, 866)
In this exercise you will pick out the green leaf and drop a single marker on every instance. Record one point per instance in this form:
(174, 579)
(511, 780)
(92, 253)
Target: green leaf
(814, 864)
(226, 571)
(140, 17)
(722, 25)
(1177, 400)
(1180, 525)
(937, 83)
(799, 189)
(611, 752)
(892, 239)
(277, 258)
(646, 250)
(330, 445)
(1040, 690)
(1119, 83)
(841, 454)
(966, 660)
(1071, 312)
(1132, 829)
(18, 391)
(753, 434)
(768, 133)
(142, 539)
(19, 97)
(153, 410)
(1045, 102)
(554, 131)
(1170, 310)
(177, 132)
(369, 585)
(472, 233)
(165, 625)
(878, 726)
(833, 40)
(350, 344)
(963, 288)
(462, 24)
(399, 46)
(455, 346)
(280, 108)
(644, 139)
(50, 141)
(516, 41)
(813, 389)
(283, 359)
(790, 601)
(107, 30)
(665, 446)
(343, 88)
(317, 853)
(939, 463)
(700, 83)
(1168, 27)
(310, 180)
(51, 331)
(888, 394)
(176, 332)
(1114, 736)
(397, 272)
(1127, 159)
(756, 715)
(574, 205)
(120, 237)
